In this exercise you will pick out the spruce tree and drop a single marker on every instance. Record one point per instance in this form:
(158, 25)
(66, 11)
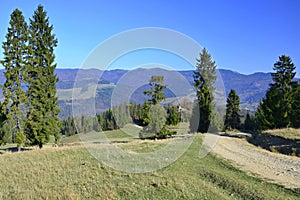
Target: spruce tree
(249, 124)
(285, 85)
(232, 117)
(269, 111)
(43, 108)
(276, 108)
(206, 67)
(204, 79)
(14, 62)
(294, 117)
(174, 116)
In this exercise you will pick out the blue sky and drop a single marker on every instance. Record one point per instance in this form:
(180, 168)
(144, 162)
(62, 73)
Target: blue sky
(245, 36)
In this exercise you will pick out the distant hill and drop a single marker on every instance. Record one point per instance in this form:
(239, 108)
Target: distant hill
(250, 88)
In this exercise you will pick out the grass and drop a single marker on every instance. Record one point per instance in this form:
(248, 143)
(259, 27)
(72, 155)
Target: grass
(73, 173)
(287, 133)
(81, 93)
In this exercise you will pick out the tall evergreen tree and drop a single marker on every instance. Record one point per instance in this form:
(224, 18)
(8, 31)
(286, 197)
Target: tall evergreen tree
(294, 117)
(269, 111)
(14, 62)
(43, 108)
(249, 124)
(206, 68)
(276, 108)
(204, 79)
(284, 83)
(232, 117)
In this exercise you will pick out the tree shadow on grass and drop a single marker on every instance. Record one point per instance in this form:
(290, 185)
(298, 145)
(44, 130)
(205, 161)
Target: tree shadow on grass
(13, 149)
(276, 144)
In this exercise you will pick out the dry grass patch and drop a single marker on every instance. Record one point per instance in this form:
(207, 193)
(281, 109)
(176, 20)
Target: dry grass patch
(287, 133)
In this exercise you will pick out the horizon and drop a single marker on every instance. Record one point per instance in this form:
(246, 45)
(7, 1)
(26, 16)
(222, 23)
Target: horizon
(124, 69)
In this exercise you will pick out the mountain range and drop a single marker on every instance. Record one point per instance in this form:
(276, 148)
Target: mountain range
(250, 88)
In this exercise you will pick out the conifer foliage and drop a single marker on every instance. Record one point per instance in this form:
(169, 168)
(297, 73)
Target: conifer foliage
(279, 107)
(232, 117)
(14, 62)
(43, 108)
(204, 78)
(30, 102)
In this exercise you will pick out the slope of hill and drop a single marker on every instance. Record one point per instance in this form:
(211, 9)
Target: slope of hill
(73, 173)
(250, 88)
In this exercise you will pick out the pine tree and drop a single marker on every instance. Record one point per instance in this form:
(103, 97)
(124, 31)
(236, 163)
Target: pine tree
(232, 117)
(157, 116)
(204, 79)
(174, 116)
(276, 108)
(269, 111)
(249, 124)
(15, 52)
(154, 115)
(156, 92)
(68, 127)
(43, 108)
(285, 85)
(206, 68)
(294, 117)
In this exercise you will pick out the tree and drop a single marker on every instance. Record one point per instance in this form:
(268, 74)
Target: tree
(145, 113)
(206, 68)
(154, 115)
(204, 79)
(122, 115)
(232, 117)
(294, 117)
(173, 115)
(68, 127)
(249, 124)
(42, 100)
(156, 92)
(14, 62)
(157, 116)
(284, 83)
(276, 109)
(268, 112)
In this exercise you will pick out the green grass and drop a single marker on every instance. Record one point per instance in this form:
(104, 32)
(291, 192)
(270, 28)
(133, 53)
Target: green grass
(288, 133)
(81, 93)
(72, 173)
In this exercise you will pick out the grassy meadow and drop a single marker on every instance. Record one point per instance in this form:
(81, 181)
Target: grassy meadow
(71, 172)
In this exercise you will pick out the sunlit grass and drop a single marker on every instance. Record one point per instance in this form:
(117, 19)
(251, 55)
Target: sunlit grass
(73, 173)
(289, 133)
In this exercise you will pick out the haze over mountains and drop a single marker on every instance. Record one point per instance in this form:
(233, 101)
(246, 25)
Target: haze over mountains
(250, 88)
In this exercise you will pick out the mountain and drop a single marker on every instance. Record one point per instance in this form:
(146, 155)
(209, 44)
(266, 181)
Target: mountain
(250, 88)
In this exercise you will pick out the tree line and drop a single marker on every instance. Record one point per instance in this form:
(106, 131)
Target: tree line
(115, 118)
(280, 108)
(29, 112)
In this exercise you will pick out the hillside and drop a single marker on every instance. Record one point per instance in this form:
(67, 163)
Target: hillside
(250, 88)
(71, 172)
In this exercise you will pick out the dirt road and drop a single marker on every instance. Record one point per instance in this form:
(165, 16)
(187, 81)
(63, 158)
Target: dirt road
(275, 167)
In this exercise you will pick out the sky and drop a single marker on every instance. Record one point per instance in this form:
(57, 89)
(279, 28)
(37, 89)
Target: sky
(245, 36)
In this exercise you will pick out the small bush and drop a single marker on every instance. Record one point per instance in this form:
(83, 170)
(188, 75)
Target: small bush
(162, 134)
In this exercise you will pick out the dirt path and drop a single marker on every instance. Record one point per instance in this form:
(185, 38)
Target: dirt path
(276, 167)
